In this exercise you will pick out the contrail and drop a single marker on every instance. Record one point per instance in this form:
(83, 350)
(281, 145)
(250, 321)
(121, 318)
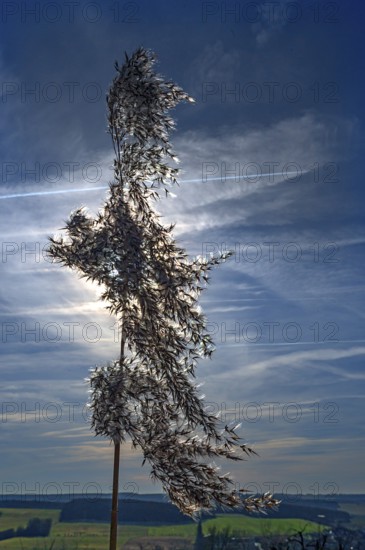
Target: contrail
(304, 343)
(57, 192)
(82, 189)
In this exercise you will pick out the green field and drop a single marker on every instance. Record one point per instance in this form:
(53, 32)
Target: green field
(94, 536)
(241, 525)
(11, 518)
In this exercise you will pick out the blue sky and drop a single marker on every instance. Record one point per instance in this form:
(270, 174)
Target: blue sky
(273, 146)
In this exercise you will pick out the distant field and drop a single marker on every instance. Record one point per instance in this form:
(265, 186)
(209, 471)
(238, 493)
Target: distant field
(357, 512)
(242, 525)
(11, 518)
(94, 536)
(66, 536)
